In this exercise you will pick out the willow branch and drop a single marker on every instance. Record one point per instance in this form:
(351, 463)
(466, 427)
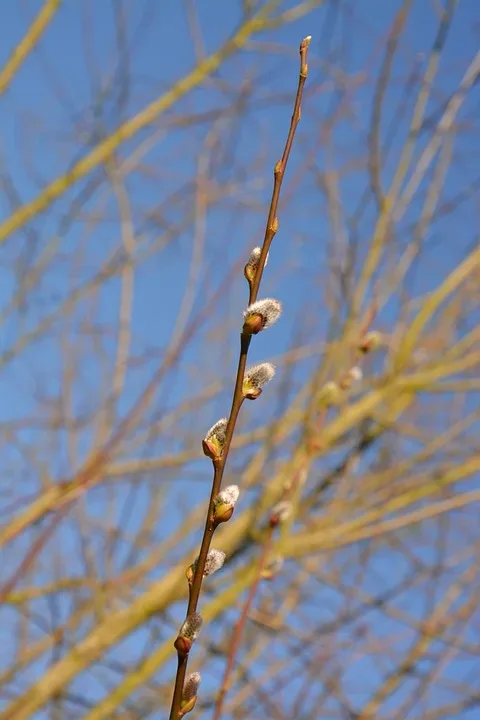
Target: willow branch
(27, 43)
(237, 400)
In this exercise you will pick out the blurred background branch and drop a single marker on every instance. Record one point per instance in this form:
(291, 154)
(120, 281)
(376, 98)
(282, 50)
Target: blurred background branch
(137, 142)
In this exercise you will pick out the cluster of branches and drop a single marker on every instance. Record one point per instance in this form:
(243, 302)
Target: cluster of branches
(349, 585)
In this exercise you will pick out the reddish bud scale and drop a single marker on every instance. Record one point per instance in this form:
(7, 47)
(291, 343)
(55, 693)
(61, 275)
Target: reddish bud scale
(183, 645)
(187, 706)
(210, 450)
(253, 324)
(222, 513)
(249, 272)
(190, 573)
(371, 341)
(275, 519)
(365, 346)
(253, 394)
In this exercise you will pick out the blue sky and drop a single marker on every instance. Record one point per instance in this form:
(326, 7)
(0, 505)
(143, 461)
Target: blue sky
(73, 80)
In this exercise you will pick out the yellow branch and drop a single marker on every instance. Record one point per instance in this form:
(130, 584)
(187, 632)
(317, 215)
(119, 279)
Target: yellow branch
(416, 516)
(432, 303)
(19, 597)
(160, 594)
(149, 666)
(28, 42)
(353, 414)
(332, 537)
(108, 633)
(109, 145)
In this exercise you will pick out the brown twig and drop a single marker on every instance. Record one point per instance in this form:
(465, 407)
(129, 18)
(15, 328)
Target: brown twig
(237, 400)
(238, 630)
(289, 491)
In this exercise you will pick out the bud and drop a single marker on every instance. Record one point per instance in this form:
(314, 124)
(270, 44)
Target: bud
(214, 441)
(354, 375)
(280, 512)
(255, 378)
(370, 342)
(224, 503)
(252, 264)
(214, 562)
(190, 692)
(260, 315)
(190, 573)
(188, 634)
(330, 394)
(272, 567)
(187, 706)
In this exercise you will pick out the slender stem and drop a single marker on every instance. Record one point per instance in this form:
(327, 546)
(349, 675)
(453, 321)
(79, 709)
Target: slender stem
(179, 683)
(279, 171)
(237, 399)
(238, 630)
(289, 492)
(219, 466)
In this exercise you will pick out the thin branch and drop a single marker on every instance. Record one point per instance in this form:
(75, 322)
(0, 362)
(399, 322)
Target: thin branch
(27, 43)
(238, 630)
(290, 493)
(237, 400)
(104, 150)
